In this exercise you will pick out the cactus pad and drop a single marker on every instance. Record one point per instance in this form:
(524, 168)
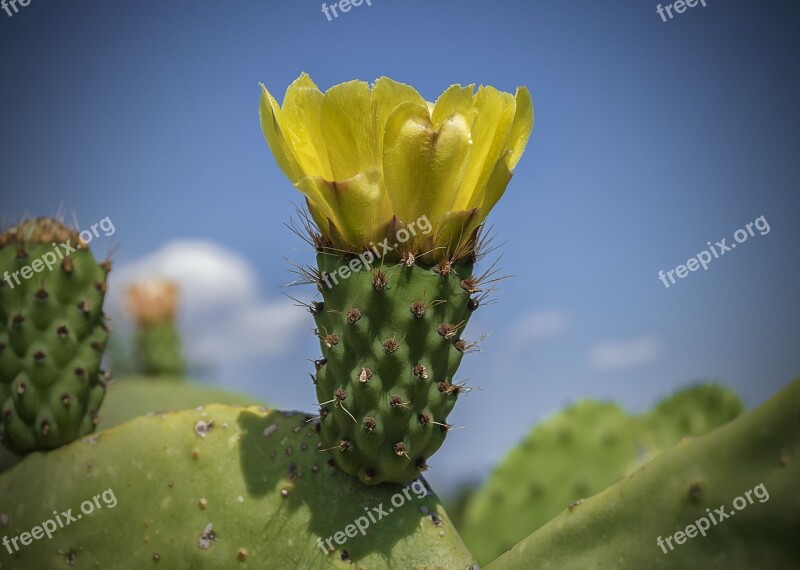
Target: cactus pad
(52, 336)
(220, 487)
(620, 527)
(578, 453)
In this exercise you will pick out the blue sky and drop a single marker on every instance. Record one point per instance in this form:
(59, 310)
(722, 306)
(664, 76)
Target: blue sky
(651, 139)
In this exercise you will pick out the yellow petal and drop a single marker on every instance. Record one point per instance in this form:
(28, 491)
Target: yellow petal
(387, 95)
(301, 114)
(423, 167)
(358, 206)
(494, 189)
(455, 99)
(347, 128)
(521, 127)
(453, 230)
(495, 114)
(270, 115)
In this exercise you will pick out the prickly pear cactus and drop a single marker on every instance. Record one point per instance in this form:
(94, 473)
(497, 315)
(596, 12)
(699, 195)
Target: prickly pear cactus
(130, 397)
(220, 487)
(574, 454)
(580, 452)
(159, 350)
(690, 412)
(391, 345)
(749, 468)
(52, 336)
(397, 191)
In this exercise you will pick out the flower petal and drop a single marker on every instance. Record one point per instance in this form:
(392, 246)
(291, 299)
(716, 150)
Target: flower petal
(270, 115)
(358, 206)
(521, 127)
(455, 99)
(494, 189)
(347, 127)
(495, 115)
(423, 167)
(387, 95)
(301, 113)
(453, 231)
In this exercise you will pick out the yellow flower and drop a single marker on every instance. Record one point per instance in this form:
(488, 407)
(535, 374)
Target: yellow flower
(370, 160)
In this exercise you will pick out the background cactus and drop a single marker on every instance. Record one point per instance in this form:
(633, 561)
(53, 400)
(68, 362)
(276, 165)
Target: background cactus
(220, 487)
(620, 527)
(153, 304)
(52, 336)
(578, 453)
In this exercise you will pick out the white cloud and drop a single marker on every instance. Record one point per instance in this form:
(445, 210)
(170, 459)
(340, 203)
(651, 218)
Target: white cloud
(539, 325)
(222, 313)
(618, 354)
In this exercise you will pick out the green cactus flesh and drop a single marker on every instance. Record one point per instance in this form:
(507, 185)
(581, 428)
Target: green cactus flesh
(130, 397)
(219, 487)
(159, 349)
(620, 527)
(52, 336)
(391, 344)
(577, 453)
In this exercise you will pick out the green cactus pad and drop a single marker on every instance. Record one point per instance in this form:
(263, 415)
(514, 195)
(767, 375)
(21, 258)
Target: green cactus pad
(52, 336)
(159, 349)
(620, 527)
(573, 454)
(130, 397)
(577, 453)
(391, 344)
(220, 487)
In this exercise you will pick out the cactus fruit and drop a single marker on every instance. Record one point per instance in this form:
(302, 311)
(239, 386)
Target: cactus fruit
(52, 336)
(219, 487)
(621, 526)
(385, 379)
(159, 350)
(577, 453)
(380, 165)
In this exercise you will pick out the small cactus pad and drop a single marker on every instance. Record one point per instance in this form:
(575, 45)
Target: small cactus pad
(218, 487)
(391, 344)
(577, 453)
(750, 467)
(153, 303)
(52, 336)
